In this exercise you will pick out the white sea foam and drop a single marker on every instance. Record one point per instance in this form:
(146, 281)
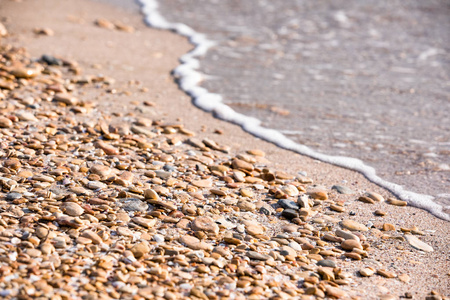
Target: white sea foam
(190, 78)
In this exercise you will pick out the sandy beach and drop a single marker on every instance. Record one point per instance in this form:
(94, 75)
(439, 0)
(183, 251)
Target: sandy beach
(183, 205)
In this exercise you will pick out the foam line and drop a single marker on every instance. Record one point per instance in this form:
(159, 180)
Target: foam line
(189, 80)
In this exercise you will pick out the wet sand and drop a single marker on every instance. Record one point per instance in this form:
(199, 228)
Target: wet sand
(147, 56)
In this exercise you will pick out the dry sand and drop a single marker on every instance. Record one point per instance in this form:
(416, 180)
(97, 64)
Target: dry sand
(148, 56)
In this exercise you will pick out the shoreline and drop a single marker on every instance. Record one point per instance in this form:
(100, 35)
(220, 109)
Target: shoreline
(93, 47)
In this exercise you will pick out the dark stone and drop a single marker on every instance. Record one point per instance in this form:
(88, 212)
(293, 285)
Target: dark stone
(327, 263)
(51, 60)
(288, 204)
(289, 214)
(267, 209)
(13, 196)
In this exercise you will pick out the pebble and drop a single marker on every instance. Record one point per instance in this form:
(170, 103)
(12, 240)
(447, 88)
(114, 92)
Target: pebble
(367, 271)
(205, 183)
(351, 244)
(388, 227)
(380, 213)
(418, 244)
(335, 292)
(43, 178)
(289, 204)
(258, 256)
(254, 228)
(135, 205)
(353, 225)
(65, 98)
(386, 273)
(13, 196)
(289, 213)
(374, 196)
(5, 122)
(327, 263)
(94, 237)
(205, 224)
(195, 244)
(397, 202)
(319, 195)
(72, 209)
(107, 148)
(140, 249)
(243, 165)
(101, 170)
(343, 190)
(144, 222)
(94, 185)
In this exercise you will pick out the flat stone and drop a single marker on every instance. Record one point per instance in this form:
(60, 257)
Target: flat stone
(254, 228)
(346, 235)
(205, 183)
(303, 201)
(343, 189)
(5, 122)
(107, 148)
(205, 224)
(418, 244)
(353, 225)
(388, 227)
(43, 178)
(397, 202)
(26, 116)
(335, 292)
(96, 185)
(143, 131)
(72, 209)
(288, 204)
(140, 249)
(289, 213)
(27, 73)
(241, 164)
(132, 204)
(194, 243)
(290, 190)
(267, 209)
(258, 256)
(245, 205)
(286, 250)
(13, 196)
(327, 263)
(294, 245)
(256, 152)
(386, 273)
(367, 271)
(125, 179)
(246, 193)
(375, 196)
(94, 237)
(144, 222)
(351, 244)
(101, 170)
(65, 98)
(319, 195)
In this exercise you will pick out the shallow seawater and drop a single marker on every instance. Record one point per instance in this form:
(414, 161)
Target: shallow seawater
(363, 79)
